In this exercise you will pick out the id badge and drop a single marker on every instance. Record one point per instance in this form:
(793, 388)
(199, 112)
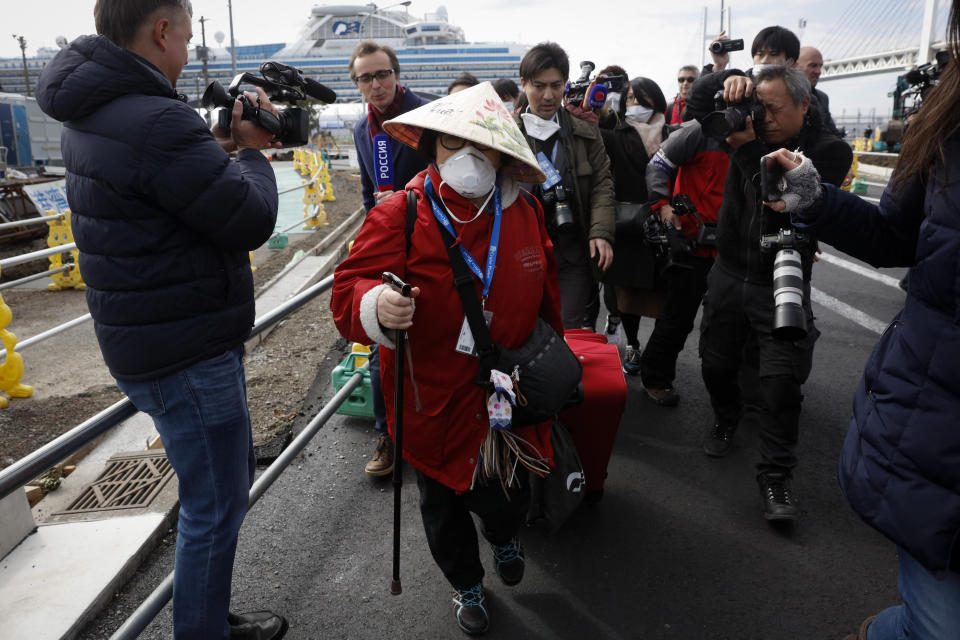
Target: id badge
(553, 176)
(465, 343)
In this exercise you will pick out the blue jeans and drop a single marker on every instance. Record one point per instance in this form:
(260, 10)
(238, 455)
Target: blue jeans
(930, 609)
(202, 417)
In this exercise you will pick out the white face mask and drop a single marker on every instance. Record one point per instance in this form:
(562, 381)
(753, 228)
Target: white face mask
(468, 172)
(537, 127)
(508, 104)
(757, 68)
(639, 113)
(613, 101)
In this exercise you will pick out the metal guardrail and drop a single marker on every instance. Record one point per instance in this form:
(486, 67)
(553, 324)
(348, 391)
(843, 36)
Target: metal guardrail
(28, 221)
(148, 610)
(49, 333)
(37, 276)
(32, 465)
(36, 255)
(881, 154)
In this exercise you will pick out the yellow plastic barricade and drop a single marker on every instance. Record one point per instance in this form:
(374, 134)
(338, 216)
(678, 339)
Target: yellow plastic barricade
(62, 233)
(11, 369)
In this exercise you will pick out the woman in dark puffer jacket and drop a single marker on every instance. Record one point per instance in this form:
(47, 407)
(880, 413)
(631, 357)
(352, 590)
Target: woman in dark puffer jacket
(900, 465)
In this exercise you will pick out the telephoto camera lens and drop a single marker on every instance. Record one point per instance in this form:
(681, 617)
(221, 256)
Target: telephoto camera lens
(789, 319)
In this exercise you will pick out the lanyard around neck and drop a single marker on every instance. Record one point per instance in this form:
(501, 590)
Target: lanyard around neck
(485, 277)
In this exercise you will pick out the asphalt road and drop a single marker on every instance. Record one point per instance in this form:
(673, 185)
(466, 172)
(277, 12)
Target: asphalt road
(677, 548)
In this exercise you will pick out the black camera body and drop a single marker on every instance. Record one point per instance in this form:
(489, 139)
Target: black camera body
(726, 46)
(669, 243)
(727, 119)
(559, 197)
(281, 83)
(592, 94)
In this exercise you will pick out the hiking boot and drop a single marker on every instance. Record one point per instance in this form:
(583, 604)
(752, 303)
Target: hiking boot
(382, 462)
(509, 561)
(471, 610)
(613, 322)
(631, 361)
(664, 397)
(719, 440)
(258, 625)
(778, 502)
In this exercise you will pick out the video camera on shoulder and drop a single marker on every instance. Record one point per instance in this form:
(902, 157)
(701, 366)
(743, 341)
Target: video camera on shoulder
(282, 83)
(921, 80)
(727, 119)
(592, 94)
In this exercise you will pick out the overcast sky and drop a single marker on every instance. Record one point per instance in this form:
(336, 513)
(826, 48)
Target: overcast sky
(647, 38)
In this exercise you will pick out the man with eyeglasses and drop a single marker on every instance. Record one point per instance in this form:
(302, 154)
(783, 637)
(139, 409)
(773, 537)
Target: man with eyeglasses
(374, 69)
(685, 79)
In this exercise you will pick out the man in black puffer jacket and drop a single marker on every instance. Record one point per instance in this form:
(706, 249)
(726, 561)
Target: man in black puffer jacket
(164, 221)
(739, 306)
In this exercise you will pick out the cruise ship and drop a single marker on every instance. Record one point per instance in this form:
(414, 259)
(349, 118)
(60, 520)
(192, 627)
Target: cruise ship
(432, 52)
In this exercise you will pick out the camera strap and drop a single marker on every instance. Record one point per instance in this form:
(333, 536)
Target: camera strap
(486, 275)
(488, 352)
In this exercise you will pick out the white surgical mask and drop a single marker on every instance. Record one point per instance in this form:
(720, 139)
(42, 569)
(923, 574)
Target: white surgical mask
(639, 112)
(539, 128)
(757, 68)
(613, 101)
(508, 104)
(468, 172)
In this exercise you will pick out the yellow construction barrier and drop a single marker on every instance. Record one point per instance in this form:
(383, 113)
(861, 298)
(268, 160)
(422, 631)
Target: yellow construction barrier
(851, 174)
(314, 190)
(62, 233)
(360, 348)
(11, 370)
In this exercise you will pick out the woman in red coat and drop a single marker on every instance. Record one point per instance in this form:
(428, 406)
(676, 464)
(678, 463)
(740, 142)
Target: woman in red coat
(477, 155)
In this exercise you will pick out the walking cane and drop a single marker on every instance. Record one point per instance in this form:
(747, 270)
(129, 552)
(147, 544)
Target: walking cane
(401, 339)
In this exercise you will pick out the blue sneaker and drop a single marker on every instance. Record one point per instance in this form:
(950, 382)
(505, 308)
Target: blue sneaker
(509, 561)
(631, 361)
(471, 610)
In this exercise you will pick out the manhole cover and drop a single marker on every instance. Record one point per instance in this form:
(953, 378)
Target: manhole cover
(129, 481)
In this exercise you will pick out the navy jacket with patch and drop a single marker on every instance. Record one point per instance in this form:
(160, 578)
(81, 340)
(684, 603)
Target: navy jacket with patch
(162, 217)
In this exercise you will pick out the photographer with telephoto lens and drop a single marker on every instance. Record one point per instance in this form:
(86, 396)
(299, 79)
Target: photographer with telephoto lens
(739, 305)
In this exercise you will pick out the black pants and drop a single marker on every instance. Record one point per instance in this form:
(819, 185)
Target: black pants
(576, 282)
(451, 533)
(685, 289)
(735, 312)
(376, 392)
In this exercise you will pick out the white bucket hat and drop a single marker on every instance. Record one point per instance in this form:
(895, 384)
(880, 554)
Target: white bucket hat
(476, 114)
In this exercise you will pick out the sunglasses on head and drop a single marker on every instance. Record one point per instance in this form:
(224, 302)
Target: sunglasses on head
(686, 79)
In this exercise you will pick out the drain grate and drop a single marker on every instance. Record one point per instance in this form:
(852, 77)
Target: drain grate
(129, 481)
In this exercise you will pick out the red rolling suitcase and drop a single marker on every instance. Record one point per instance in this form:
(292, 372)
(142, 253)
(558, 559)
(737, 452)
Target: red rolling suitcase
(594, 422)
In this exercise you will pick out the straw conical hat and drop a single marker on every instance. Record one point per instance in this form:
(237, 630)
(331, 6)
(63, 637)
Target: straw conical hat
(476, 114)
